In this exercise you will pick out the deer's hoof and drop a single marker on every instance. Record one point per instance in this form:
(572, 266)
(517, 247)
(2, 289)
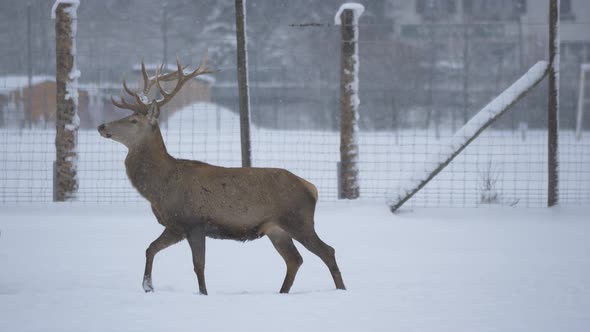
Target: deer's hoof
(147, 285)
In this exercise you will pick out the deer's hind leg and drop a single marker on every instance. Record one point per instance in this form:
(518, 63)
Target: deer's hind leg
(305, 234)
(328, 255)
(283, 243)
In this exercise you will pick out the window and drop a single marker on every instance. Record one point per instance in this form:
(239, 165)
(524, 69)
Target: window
(494, 9)
(575, 52)
(565, 10)
(565, 6)
(520, 6)
(436, 9)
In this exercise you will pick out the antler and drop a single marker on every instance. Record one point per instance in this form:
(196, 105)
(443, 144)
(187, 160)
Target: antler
(141, 104)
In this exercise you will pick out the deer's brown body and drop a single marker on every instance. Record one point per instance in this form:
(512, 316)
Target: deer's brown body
(195, 200)
(238, 202)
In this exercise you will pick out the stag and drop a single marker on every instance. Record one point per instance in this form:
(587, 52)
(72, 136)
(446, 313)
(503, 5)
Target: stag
(196, 200)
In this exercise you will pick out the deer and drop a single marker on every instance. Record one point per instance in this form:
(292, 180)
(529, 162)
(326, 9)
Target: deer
(195, 200)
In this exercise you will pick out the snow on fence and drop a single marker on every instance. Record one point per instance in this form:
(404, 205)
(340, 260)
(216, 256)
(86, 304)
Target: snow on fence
(512, 169)
(469, 132)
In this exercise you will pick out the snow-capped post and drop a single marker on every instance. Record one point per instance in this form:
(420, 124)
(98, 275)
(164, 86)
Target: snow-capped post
(242, 62)
(347, 17)
(469, 132)
(66, 79)
(553, 105)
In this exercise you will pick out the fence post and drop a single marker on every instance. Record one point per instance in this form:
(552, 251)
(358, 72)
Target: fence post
(347, 17)
(584, 67)
(466, 64)
(164, 29)
(29, 101)
(242, 62)
(67, 121)
(553, 105)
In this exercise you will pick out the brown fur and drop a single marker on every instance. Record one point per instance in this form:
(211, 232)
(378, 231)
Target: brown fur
(192, 200)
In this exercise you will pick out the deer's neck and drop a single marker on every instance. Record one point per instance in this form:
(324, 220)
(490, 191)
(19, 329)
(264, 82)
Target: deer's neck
(149, 166)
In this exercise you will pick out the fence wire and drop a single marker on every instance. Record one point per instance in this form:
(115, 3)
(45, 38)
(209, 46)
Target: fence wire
(420, 81)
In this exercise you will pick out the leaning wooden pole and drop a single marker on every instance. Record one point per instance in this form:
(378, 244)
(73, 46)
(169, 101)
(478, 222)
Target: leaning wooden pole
(67, 121)
(464, 136)
(553, 105)
(347, 17)
(243, 88)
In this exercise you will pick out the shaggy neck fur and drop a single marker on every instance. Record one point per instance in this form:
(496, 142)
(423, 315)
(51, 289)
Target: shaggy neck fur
(147, 164)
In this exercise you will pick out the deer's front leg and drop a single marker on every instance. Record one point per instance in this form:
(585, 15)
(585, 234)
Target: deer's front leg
(165, 240)
(196, 240)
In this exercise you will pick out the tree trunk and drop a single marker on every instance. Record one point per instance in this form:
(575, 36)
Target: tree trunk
(349, 150)
(66, 182)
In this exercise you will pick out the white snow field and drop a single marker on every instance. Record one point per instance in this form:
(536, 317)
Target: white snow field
(79, 267)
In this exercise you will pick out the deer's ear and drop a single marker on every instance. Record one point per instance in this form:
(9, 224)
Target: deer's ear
(153, 113)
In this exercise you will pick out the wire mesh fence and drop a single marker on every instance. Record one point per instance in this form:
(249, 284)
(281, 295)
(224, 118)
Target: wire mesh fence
(421, 78)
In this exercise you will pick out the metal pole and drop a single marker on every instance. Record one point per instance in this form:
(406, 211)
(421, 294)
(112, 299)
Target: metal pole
(520, 114)
(165, 34)
(243, 89)
(29, 107)
(466, 63)
(581, 100)
(165, 112)
(553, 105)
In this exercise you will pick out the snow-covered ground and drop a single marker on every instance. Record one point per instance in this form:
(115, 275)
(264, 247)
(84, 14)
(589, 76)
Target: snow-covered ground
(78, 267)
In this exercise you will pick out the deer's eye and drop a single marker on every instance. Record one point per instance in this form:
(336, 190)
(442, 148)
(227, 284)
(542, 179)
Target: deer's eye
(133, 120)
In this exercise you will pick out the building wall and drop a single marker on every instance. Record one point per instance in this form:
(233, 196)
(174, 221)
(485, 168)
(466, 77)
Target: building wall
(404, 12)
(94, 104)
(571, 27)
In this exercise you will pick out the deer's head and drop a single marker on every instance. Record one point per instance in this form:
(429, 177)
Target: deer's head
(137, 128)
